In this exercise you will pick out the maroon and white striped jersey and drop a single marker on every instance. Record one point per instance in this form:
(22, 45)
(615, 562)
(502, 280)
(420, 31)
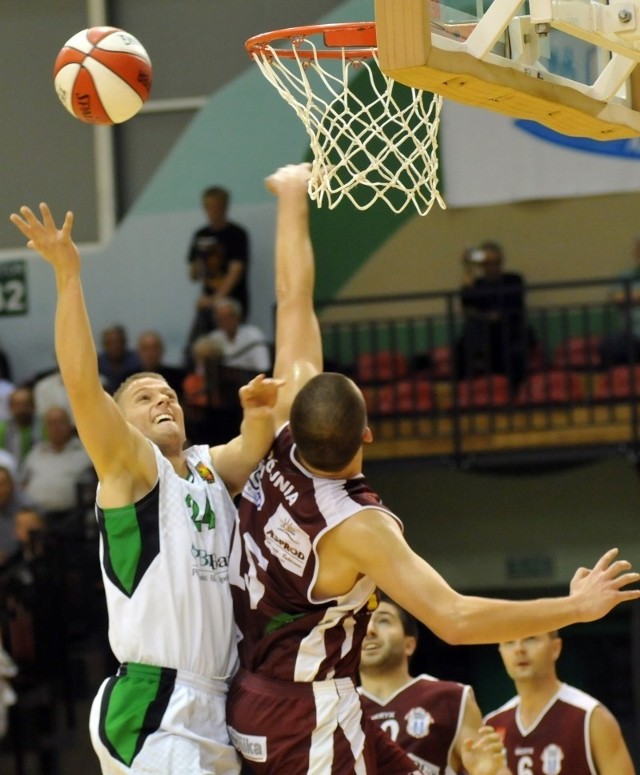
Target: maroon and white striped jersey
(558, 740)
(423, 717)
(284, 512)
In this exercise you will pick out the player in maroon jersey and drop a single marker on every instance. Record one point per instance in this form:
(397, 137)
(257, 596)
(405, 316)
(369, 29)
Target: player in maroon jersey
(550, 728)
(435, 722)
(313, 543)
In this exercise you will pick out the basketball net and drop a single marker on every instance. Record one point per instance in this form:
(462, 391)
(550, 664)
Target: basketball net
(376, 142)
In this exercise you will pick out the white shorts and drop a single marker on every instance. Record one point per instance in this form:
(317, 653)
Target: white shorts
(156, 720)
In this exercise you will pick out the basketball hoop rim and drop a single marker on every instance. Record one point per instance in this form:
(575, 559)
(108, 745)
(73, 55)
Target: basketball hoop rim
(352, 40)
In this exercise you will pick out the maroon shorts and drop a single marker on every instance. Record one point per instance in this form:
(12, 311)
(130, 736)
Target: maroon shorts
(308, 729)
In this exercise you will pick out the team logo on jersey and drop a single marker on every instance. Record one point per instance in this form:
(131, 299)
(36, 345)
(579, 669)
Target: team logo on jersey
(205, 473)
(551, 758)
(287, 542)
(253, 488)
(418, 722)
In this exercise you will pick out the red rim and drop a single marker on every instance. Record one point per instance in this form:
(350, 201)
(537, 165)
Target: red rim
(352, 40)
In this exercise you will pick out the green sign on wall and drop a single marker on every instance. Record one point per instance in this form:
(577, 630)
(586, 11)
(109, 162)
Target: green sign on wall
(13, 288)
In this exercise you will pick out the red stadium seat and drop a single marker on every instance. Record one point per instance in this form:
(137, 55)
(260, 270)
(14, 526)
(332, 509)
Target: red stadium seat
(578, 352)
(407, 396)
(441, 362)
(620, 382)
(484, 392)
(557, 386)
(383, 366)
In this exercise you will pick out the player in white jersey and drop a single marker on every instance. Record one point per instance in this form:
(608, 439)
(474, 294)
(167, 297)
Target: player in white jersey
(550, 728)
(323, 427)
(166, 517)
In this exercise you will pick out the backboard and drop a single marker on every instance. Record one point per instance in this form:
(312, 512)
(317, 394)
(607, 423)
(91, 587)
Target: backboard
(567, 64)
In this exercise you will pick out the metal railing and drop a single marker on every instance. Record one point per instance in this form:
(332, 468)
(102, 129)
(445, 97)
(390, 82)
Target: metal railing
(557, 377)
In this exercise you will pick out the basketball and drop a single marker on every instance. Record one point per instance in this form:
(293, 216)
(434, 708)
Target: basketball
(103, 75)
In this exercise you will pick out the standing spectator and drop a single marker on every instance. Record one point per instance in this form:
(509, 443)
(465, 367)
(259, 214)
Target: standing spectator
(150, 349)
(21, 431)
(213, 278)
(235, 241)
(116, 362)
(623, 346)
(550, 727)
(243, 346)
(438, 723)
(495, 337)
(53, 468)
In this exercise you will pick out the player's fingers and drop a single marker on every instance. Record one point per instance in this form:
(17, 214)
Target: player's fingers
(16, 220)
(68, 223)
(606, 559)
(619, 566)
(581, 573)
(45, 212)
(626, 579)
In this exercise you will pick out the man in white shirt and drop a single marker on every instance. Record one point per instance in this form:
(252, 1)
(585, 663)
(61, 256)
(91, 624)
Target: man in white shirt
(243, 345)
(53, 467)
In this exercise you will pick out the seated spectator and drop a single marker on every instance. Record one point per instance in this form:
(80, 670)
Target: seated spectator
(495, 338)
(243, 346)
(30, 525)
(53, 468)
(116, 362)
(21, 431)
(12, 500)
(49, 391)
(623, 346)
(201, 387)
(150, 349)
(212, 415)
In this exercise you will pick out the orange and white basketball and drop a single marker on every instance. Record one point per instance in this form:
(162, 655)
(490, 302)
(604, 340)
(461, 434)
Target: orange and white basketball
(103, 75)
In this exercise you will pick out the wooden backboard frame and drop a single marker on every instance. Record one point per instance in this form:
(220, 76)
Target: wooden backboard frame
(409, 53)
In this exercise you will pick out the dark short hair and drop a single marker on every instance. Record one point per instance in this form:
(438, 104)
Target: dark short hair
(218, 192)
(328, 420)
(494, 247)
(409, 623)
(134, 378)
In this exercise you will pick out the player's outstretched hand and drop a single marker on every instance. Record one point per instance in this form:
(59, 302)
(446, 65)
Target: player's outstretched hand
(54, 244)
(599, 589)
(260, 395)
(484, 755)
(292, 177)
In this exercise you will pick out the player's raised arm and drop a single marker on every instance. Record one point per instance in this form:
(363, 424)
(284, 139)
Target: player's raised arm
(106, 435)
(298, 347)
(466, 619)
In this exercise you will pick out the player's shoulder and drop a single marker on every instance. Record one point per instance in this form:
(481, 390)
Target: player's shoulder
(510, 705)
(576, 697)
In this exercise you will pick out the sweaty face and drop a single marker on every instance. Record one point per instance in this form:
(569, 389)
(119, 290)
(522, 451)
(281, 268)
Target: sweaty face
(385, 642)
(530, 658)
(152, 407)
